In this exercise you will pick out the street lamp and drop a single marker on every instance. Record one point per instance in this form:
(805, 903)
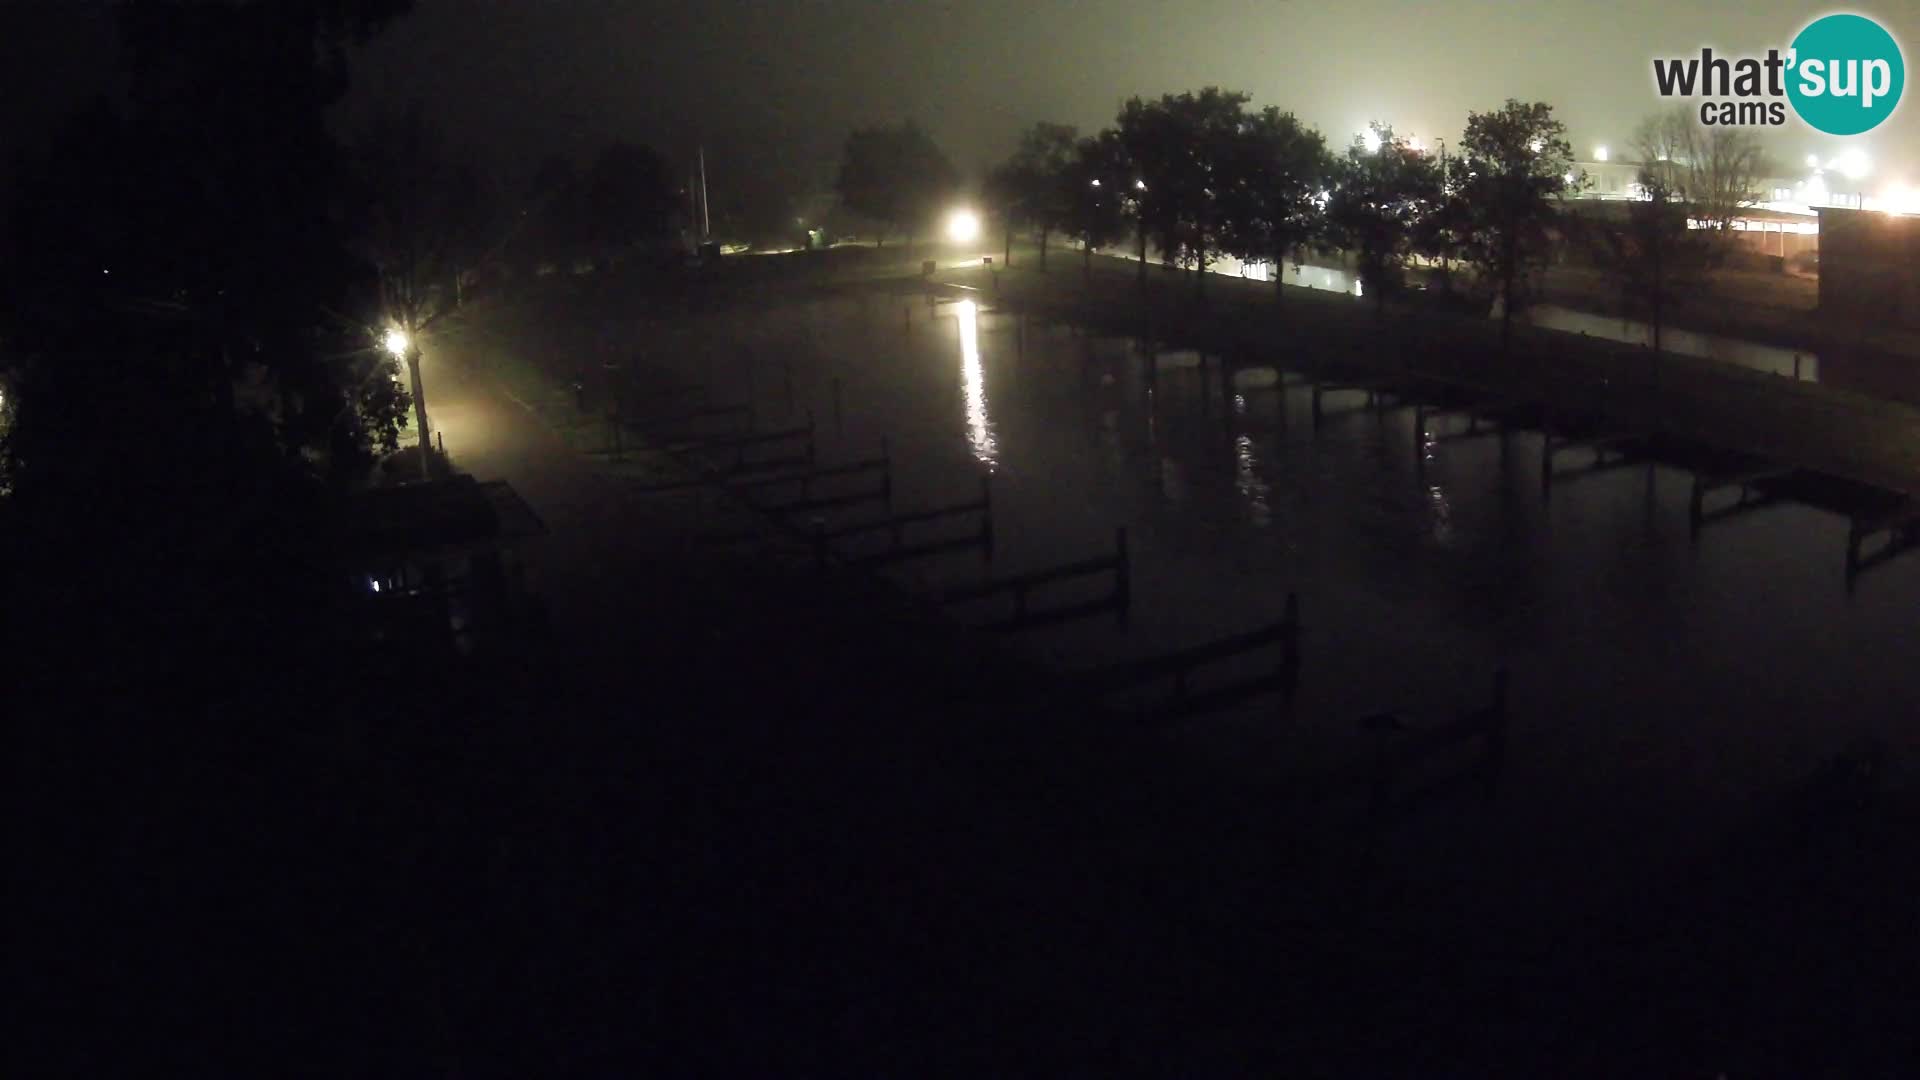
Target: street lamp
(963, 227)
(401, 346)
(1371, 140)
(1600, 154)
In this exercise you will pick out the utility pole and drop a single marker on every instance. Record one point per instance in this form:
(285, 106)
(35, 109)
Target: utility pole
(706, 215)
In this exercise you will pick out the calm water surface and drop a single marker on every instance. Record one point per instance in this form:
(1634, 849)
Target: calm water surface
(1666, 678)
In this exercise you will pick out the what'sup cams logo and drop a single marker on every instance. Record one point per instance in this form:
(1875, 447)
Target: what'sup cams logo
(1842, 74)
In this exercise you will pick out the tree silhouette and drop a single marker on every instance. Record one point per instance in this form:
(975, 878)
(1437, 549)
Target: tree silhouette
(1030, 186)
(1184, 147)
(1657, 258)
(1376, 207)
(1097, 194)
(1515, 165)
(424, 224)
(1275, 179)
(630, 200)
(1716, 169)
(895, 176)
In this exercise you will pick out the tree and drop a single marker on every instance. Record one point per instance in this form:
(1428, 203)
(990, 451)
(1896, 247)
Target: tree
(1097, 195)
(1031, 183)
(1515, 164)
(1271, 205)
(1381, 195)
(1183, 147)
(1657, 258)
(896, 176)
(1717, 168)
(629, 200)
(423, 225)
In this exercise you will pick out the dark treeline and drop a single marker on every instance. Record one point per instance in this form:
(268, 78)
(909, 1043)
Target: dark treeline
(1201, 175)
(213, 860)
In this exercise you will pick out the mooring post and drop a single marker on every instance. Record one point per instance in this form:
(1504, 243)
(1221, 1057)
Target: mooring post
(986, 517)
(1546, 455)
(1122, 575)
(1290, 655)
(1497, 732)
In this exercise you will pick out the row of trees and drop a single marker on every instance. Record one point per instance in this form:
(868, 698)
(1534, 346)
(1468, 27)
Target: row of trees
(1201, 175)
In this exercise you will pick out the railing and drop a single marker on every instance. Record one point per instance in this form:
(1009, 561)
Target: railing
(1020, 586)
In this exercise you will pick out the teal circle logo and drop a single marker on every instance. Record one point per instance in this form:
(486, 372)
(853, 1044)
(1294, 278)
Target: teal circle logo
(1846, 74)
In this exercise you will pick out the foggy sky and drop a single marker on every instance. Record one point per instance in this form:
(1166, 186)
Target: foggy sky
(771, 87)
(530, 76)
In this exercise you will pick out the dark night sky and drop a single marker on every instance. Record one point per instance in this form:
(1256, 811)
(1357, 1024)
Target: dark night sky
(771, 87)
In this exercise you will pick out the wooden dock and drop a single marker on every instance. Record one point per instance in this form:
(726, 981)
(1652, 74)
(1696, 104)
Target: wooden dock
(1752, 485)
(1020, 586)
(1179, 667)
(1405, 752)
(1898, 528)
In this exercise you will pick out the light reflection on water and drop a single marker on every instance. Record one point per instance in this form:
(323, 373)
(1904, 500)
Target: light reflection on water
(1421, 566)
(1252, 486)
(979, 426)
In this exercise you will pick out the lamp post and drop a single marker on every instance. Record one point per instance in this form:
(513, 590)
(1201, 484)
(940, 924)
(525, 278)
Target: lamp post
(405, 348)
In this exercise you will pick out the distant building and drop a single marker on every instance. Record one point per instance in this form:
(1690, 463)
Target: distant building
(1870, 266)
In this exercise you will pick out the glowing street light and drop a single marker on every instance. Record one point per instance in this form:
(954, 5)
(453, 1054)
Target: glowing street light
(1600, 154)
(1095, 182)
(1813, 162)
(1370, 139)
(1535, 145)
(1854, 164)
(963, 226)
(1140, 185)
(401, 346)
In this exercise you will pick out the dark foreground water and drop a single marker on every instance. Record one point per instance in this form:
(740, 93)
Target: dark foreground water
(1660, 683)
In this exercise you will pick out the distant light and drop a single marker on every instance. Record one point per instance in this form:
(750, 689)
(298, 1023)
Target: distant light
(1569, 176)
(396, 342)
(1370, 139)
(1096, 182)
(1535, 145)
(1140, 184)
(1600, 154)
(1854, 164)
(963, 227)
(1813, 161)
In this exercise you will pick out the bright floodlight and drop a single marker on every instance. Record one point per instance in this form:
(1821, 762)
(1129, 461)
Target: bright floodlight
(963, 227)
(1371, 140)
(1600, 153)
(396, 342)
(1096, 182)
(1854, 164)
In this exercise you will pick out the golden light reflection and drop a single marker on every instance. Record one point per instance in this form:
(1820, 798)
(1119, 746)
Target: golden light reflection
(1252, 486)
(979, 426)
